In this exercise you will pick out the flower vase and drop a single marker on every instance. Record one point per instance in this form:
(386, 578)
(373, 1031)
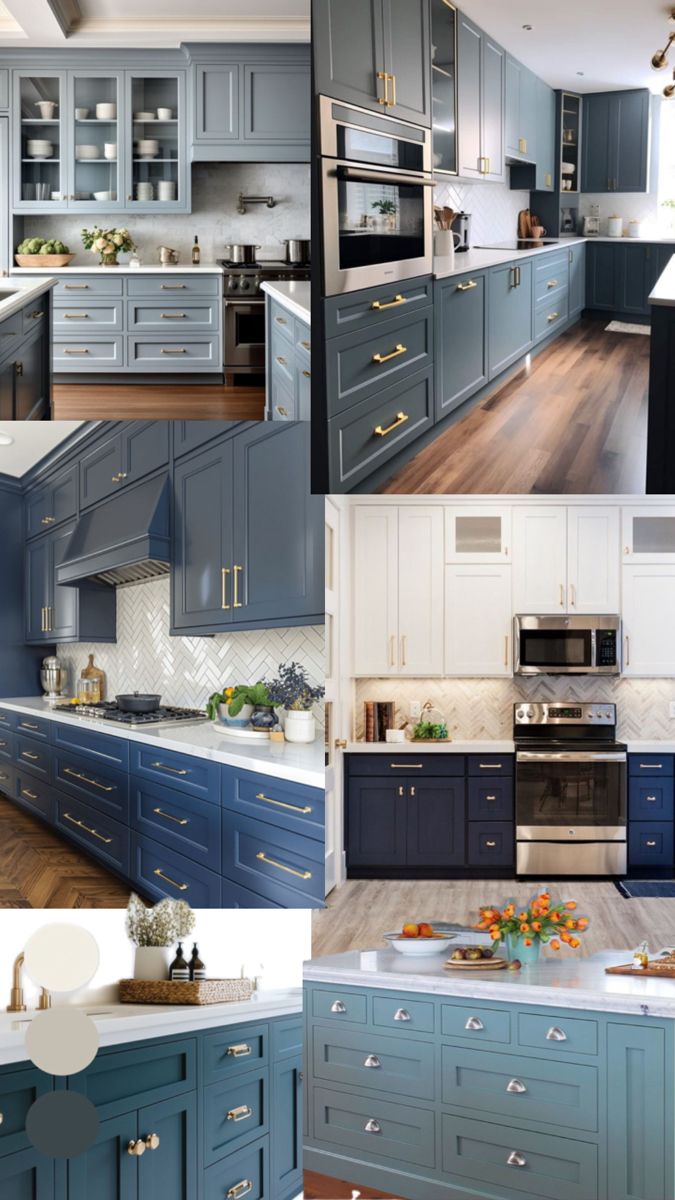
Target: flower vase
(109, 260)
(242, 719)
(516, 948)
(151, 962)
(299, 725)
(263, 718)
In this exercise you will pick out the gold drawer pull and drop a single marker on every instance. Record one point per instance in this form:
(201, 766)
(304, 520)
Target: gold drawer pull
(86, 779)
(236, 603)
(37, 314)
(383, 358)
(301, 808)
(179, 350)
(242, 1113)
(281, 360)
(135, 1149)
(240, 1189)
(307, 374)
(27, 754)
(522, 145)
(241, 1050)
(379, 305)
(401, 419)
(168, 817)
(173, 316)
(553, 317)
(466, 287)
(271, 862)
(281, 321)
(174, 770)
(29, 795)
(223, 587)
(69, 350)
(48, 520)
(552, 283)
(76, 316)
(76, 287)
(172, 287)
(87, 829)
(307, 345)
(182, 887)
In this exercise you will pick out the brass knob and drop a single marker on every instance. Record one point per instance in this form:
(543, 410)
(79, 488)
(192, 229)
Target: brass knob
(340, 743)
(152, 1141)
(136, 1149)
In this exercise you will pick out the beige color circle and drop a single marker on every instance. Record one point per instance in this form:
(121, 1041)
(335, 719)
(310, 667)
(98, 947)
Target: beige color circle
(62, 1041)
(61, 957)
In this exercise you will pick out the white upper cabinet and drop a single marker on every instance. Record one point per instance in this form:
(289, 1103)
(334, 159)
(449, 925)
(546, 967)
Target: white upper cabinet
(540, 559)
(375, 590)
(420, 591)
(593, 583)
(478, 620)
(477, 534)
(648, 625)
(649, 534)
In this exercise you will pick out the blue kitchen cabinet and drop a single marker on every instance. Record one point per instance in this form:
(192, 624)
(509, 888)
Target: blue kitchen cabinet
(405, 823)
(288, 365)
(286, 1107)
(510, 314)
(28, 1176)
(596, 149)
(60, 613)
(616, 135)
(215, 99)
(481, 68)
(603, 281)
(620, 275)
(375, 816)
(202, 580)
(106, 1169)
(545, 144)
(435, 823)
(277, 108)
(577, 279)
(135, 450)
(520, 111)
(52, 503)
(639, 1096)
(19, 664)
(460, 339)
(37, 591)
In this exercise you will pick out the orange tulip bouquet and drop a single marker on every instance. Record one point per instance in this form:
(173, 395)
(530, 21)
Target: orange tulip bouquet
(524, 931)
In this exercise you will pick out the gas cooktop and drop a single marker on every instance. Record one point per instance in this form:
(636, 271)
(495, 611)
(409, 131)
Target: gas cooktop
(520, 244)
(109, 711)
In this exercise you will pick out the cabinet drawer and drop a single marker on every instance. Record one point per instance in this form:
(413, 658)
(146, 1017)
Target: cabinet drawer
(554, 1168)
(175, 287)
(650, 800)
(375, 306)
(7, 747)
(282, 322)
(580, 1034)
(107, 790)
(34, 727)
(475, 1023)
(103, 836)
(490, 764)
(650, 844)
(527, 1089)
(377, 1128)
(197, 776)
(394, 764)
(8, 719)
(236, 1111)
(303, 341)
(184, 355)
(551, 271)
(35, 795)
(170, 319)
(550, 315)
(283, 404)
(490, 799)
(88, 355)
(283, 358)
(358, 365)
(7, 779)
(403, 1015)
(34, 314)
(490, 844)
(245, 1173)
(185, 823)
(118, 1081)
(289, 805)
(285, 866)
(234, 1051)
(87, 286)
(287, 1038)
(235, 896)
(99, 748)
(10, 330)
(161, 872)
(73, 319)
(650, 764)
(33, 757)
(18, 1092)
(332, 1004)
(373, 1061)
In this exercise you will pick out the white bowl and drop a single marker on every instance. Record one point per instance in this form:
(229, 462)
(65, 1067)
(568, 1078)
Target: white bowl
(39, 149)
(418, 946)
(104, 196)
(147, 146)
(110, 150)
(164, 114)
(106, 112)
(144, 116)
(568, 168)
(87, 152)
(47, 109)
(81, 114)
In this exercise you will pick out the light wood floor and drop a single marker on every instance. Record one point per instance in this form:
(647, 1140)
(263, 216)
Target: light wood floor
(151, 402)
(574, 421)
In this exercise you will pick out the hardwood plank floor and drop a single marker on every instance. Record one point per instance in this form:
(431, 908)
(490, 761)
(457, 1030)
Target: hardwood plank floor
(155, 402)
(320, 1187)
(573, 421)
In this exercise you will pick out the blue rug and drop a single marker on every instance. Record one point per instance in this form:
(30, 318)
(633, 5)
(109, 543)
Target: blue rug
(647, 889)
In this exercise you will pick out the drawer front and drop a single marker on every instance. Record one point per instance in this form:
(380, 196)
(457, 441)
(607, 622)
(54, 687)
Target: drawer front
(235, 896)
(88, 355)
(18, 1092)
(7, 747)
(119, 1081)
(100, 748)
(650, 844)
(373, 1061)
(376, 1128)
(491, 844)
(35, 795)
(490, 764)
(287, 1038)
(175, 287)
(234, 1052)
(282, 323)
(286, 866)
(527, 1089)
(10, 329)
(183, 823)
(170, 318)
(161, 872)
(33, 757)
(183, 355)
(106, 790)
(366, 436)
(34, 314)
(8, 719)
(652, 800)
(283, 358)
(197, 776)
(245, 1173)
(283, 404)
(550, 275)
(87, 287)
(550, 315)
(331, 1004)
(394, 764)
(104, 837)
(236, 1111)
(403, 1015)
(372, 307)
(73, 319)
(490, 799)
(543, 1033)
(475, 1023)
(7, 779)
(650, 764)
(553, 1168)
(303, 340)
(290, 805)
(358, 365)
(34, 727)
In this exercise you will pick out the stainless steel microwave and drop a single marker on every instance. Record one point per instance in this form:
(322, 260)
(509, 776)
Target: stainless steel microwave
(572, 645)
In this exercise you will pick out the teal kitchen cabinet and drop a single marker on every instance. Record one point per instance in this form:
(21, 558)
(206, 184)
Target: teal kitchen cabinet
(577, 279)
(27, 1176)
(639, 1097)
(60, 613)
(460, 339)
(510, 319)
(481, 69)
(286, 1105)
(616, 136)
(376, 54)
(520, 111)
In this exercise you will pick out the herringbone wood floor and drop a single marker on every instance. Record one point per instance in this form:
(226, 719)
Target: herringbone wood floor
(38, 869)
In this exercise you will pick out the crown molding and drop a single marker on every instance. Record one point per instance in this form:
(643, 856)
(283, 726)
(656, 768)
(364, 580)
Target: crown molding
(68, 15)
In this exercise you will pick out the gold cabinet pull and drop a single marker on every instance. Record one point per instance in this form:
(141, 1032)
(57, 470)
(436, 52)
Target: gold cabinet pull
(552, 283)
(168, 817)
(236, 602)
(239, 1190)
(401, 419)
(152, 1141)
(301, 808)
(562, 596)
(281, 321)
(173, 316)
(172, 287)
(393, 89)
(272, 862)
(135, 1149)
(403, 650)
(506, 655)
(392, 651)
(37, 314)
(50, 619)
(548, 180)
(42, 621)
(242, 1113)
(27, 754)
(29, 795)
(72, 350)
(466, 287)
(307, 374)
(178, 350)
(379, 305)
(340, 743)
(76, 287)
(307, 345)
(573, 595)
(174, 770)
(383, 99)
(552, 317)
(240, 1050)
(281, 360)
(47, 520)
(182, 887)
(87, 829)
(628, 656)
(383, 358)
(76, 316)
(86, 779)
(522, 145)
(223, 587)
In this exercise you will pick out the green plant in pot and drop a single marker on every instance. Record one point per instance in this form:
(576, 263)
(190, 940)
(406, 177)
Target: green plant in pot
(293, 691)
(243, 705)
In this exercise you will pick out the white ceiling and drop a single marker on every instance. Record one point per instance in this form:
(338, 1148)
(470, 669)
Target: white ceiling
(32, 440)
(611, 41)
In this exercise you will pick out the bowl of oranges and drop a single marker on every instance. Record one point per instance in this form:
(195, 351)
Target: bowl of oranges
(421, 937)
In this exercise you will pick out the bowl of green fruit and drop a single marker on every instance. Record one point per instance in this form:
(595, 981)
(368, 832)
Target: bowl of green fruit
(42, 252)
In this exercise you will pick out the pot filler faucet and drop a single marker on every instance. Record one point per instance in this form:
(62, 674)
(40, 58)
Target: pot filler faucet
(16, 1001)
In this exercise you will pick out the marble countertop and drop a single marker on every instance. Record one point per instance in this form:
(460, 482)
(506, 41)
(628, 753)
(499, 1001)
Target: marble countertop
(569, 982)
(121, 1023)
(293, 294)
(479, 259)
(123, 269)
(664, 291)
(22, 291)
(459, 747)
(281, 760)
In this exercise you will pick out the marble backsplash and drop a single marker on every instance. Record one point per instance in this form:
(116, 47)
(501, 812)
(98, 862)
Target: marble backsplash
(494, 208)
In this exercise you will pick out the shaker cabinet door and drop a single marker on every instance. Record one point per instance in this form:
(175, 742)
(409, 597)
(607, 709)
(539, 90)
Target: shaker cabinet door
(636, 1090)
(169, 1171)
(435, 823)
(202, 577)
(106, 1170)
(348, 44)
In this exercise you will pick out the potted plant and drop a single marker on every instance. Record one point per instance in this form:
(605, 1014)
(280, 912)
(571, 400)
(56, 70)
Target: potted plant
(107, 243)
(525, 930)
(387, 211)
(242, 705)
(293, 692)
(153, 931)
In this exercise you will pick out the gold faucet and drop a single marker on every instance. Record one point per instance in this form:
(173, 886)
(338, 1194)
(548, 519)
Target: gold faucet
(16, 1003)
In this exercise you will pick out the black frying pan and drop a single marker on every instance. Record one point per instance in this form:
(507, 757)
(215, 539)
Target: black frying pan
(138, 703)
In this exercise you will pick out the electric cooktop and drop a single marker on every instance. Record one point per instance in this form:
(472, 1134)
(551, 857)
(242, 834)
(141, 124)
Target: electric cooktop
(520, 244)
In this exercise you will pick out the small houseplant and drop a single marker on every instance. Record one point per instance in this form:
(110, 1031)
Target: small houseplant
(293, 692)
(525, 930)
(387, 211)
(107, 243)
(244, 704)
(153, 931)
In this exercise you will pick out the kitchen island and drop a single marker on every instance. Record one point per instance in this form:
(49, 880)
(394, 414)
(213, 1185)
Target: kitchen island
(288, 321)
(555, 1082)
(25, 368)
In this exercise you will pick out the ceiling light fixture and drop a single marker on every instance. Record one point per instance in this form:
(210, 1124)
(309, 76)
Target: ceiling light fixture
(669, 91)
(581, 72)
(528, 27)
(660, 59)
(6, 440)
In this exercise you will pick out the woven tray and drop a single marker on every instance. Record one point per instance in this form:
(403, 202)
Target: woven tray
(202, 991)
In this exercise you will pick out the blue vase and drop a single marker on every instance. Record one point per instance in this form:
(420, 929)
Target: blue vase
(263, 717)
(516, 948)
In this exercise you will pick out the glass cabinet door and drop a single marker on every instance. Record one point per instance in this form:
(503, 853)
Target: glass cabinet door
(477, 534)
(649, 534)
(95, 116)
(444, 85)
(40, 176)
(156, 176)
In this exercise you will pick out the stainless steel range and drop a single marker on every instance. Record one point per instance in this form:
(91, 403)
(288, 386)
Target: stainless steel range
(107, 710)
(570, 790)
(244, 312)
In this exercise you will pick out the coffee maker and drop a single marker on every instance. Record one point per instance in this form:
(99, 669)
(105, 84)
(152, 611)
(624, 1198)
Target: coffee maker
(592, 222)
(462, 227)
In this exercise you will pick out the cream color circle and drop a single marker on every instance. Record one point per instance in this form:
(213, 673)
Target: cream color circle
(61, 957)
(62, 1041)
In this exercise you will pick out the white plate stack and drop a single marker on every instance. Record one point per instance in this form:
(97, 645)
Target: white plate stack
(145, 191)
(166, 189)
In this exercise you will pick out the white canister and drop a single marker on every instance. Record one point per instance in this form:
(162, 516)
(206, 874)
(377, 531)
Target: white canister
(110, 150)
(166, 189)
(635, 229)
(299, 726)
(615, 227)
(151, 962)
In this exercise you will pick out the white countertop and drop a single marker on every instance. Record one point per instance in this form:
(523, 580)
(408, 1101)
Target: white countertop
(123, 269)
(478, 260)
(282, 760)
(565, 982)
(23, 291)
(644, 241)
(459, 747)
(664, 292)
(661, 747)
(293, 294)
(120, 1023)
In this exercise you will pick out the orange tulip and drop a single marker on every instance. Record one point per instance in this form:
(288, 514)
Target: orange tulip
(555, 944)
(527, 941)
(522, 916)
(565, 937)
(571, 905)
(571, 924)
(555, 917)
(495, 935)
(536, 925)
(583, 923)
(524, 928)
(574, 943)
(545, 896)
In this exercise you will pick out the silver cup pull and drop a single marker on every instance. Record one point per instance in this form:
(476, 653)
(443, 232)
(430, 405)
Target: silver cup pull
(372, 1126)
(516, 1087)
(338, 1007)
(556, 1034)
(402, 1014)
(516, 1159)
(474, 1023)
(372, 1061)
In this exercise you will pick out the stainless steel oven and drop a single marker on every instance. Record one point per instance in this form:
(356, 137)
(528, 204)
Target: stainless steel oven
(377, 198)
(244, 335)
(572, 645)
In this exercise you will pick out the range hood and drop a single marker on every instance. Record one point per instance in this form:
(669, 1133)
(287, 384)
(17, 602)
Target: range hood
(126, 540)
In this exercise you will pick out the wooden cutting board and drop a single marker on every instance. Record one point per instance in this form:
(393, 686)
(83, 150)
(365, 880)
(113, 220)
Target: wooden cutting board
(480, 964)
(651, 972)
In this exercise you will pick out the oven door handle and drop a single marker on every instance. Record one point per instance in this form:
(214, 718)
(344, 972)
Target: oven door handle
(230, 301)
(549, 756)
(365, 175)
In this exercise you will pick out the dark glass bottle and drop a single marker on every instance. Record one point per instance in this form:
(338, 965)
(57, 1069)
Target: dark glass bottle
(197, 968)
(179, 970)
(196, 253)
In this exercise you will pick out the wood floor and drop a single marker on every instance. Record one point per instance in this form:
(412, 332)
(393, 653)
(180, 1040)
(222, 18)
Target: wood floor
(574, 421)
(153, 402)
(40, 870)
(320, 1187)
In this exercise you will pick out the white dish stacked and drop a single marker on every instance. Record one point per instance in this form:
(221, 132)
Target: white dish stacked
(145, 191)
(166, 189)
(87, 151)
(147, 148)
(39, 148)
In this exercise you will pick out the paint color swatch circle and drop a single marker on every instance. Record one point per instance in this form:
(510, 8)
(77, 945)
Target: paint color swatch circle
(62, 1041)
(62, 1124)
(61, 957)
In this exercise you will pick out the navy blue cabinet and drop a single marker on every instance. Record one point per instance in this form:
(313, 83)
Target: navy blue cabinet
(57, 613)
(435, 823)
(616, 132)
(460, 337)
(202, 591)
(52, 503)
(621, 275)
(19, 664)
(131, 453)
(651, 811)
(603, 275)
(577, 279)
(375, 815)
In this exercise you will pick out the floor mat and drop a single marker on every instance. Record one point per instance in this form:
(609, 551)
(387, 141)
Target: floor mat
(627, 327)
(646, 889)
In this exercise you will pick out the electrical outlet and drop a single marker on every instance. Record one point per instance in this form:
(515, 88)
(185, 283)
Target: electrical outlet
(415, 710)
(671, 709)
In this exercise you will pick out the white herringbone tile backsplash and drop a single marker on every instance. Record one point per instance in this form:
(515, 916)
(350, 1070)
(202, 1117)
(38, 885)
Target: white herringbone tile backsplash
(186, 670)
(483, 708)
(494, 208)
